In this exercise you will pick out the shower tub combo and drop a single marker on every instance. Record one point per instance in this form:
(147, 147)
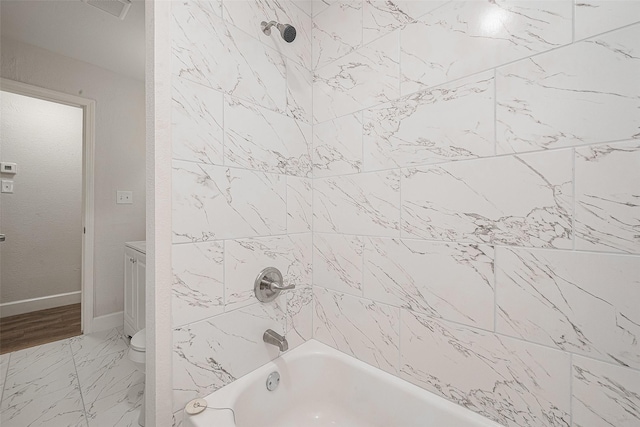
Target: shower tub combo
(317, 386)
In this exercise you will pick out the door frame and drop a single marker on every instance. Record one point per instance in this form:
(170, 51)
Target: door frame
(88, 107)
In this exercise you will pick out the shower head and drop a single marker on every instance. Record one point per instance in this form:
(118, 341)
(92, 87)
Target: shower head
(287, 32)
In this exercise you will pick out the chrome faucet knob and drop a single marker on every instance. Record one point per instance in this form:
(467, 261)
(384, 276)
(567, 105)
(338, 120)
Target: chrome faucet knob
(269, 284)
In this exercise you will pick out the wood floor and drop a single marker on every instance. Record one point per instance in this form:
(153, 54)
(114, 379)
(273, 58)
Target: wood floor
(39, 327)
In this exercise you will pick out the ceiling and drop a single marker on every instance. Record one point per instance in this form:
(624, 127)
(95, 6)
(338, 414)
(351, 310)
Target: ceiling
(76, 29)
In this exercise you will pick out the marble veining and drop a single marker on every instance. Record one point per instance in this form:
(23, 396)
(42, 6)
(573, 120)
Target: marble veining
(516, 200)
(359, 327)
(112, 390)
(337, 146)
(512, 382)
(299, 209)
(581, 94)
(464, 37)
(338, 262)
(604, 395)
(445, 280)
(299, 92)
(450, 122)
(299, 317)
(245, 258)
(198, 281)
(247, 15)
(380, 17)
(81, 381)
(212, 202)
(336, 32)
(607, 216)
(585, 303)
(196, 122)
(361, 79)
(259, 139)
(202, 357)
(203, 44)
(366, 203)
(594, 17)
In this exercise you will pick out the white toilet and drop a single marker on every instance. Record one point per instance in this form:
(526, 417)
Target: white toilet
(137, 353)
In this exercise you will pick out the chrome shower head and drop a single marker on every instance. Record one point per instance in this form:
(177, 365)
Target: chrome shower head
(287, 32)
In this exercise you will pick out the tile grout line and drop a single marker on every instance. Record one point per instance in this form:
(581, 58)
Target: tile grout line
(571, 389)
(4, 378)
(496, 66)
(75, 367)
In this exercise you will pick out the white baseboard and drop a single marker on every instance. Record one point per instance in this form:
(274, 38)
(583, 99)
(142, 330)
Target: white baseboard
(34, 304)
(108, 321)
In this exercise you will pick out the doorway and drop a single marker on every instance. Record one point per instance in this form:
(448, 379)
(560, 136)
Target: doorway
(46, 215)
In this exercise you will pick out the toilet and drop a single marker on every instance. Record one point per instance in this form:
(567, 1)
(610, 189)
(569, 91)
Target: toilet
(137, 353)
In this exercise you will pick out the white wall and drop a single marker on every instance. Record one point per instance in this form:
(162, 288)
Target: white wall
(119, 154)
(240, 206)
(476, 186)
(43, 217)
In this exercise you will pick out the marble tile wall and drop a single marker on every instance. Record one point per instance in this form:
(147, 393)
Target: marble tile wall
(242, 186)
(476, 201)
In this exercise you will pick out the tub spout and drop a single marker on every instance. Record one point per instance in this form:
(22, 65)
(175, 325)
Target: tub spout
(274, 338)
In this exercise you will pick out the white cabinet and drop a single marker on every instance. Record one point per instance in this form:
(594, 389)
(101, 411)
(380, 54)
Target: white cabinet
(134, 287)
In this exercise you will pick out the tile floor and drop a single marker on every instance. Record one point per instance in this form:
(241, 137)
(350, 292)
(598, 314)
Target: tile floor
(81, 381)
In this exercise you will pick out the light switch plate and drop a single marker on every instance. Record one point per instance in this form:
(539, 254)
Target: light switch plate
(124, 197)
(9, 168)
(7, 186)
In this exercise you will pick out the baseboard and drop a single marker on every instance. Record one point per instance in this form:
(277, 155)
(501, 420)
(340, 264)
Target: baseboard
(108, 321)
(34, 304)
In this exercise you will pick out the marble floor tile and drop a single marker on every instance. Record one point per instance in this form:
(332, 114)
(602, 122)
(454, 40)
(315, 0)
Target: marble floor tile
(63, 408)
(598, 16)
(50, 385)
(112, 390)
(39, 371)
(92, 346)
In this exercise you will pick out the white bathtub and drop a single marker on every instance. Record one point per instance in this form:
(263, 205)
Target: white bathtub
(319, 387)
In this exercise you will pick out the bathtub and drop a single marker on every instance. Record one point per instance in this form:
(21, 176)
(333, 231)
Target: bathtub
(322, 387)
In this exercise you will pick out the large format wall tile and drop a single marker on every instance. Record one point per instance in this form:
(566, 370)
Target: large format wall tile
(337, 31)
(210, 354)
(448, 280)
(588, 92)
(244, 259)
(598, 16)
(607, 195)
(260, 139)
(213, 202)
(337, 261)
(451, 122)
(208, 51)
(364, 78)
(580, 302)
(380, 17)
(337, 146)
(198, 281)
(604, 395)
(512, 382)
(366, 203)
(299, 209)
(359, 327)
(462, 38)
(299, 316)
(516, 200)
(196, 122)
(247, 15)
(299, 92)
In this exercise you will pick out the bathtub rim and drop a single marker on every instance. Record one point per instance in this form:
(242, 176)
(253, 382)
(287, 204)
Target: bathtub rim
(225, 396)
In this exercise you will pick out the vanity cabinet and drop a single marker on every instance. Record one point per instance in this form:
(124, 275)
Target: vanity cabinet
(134, 287)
